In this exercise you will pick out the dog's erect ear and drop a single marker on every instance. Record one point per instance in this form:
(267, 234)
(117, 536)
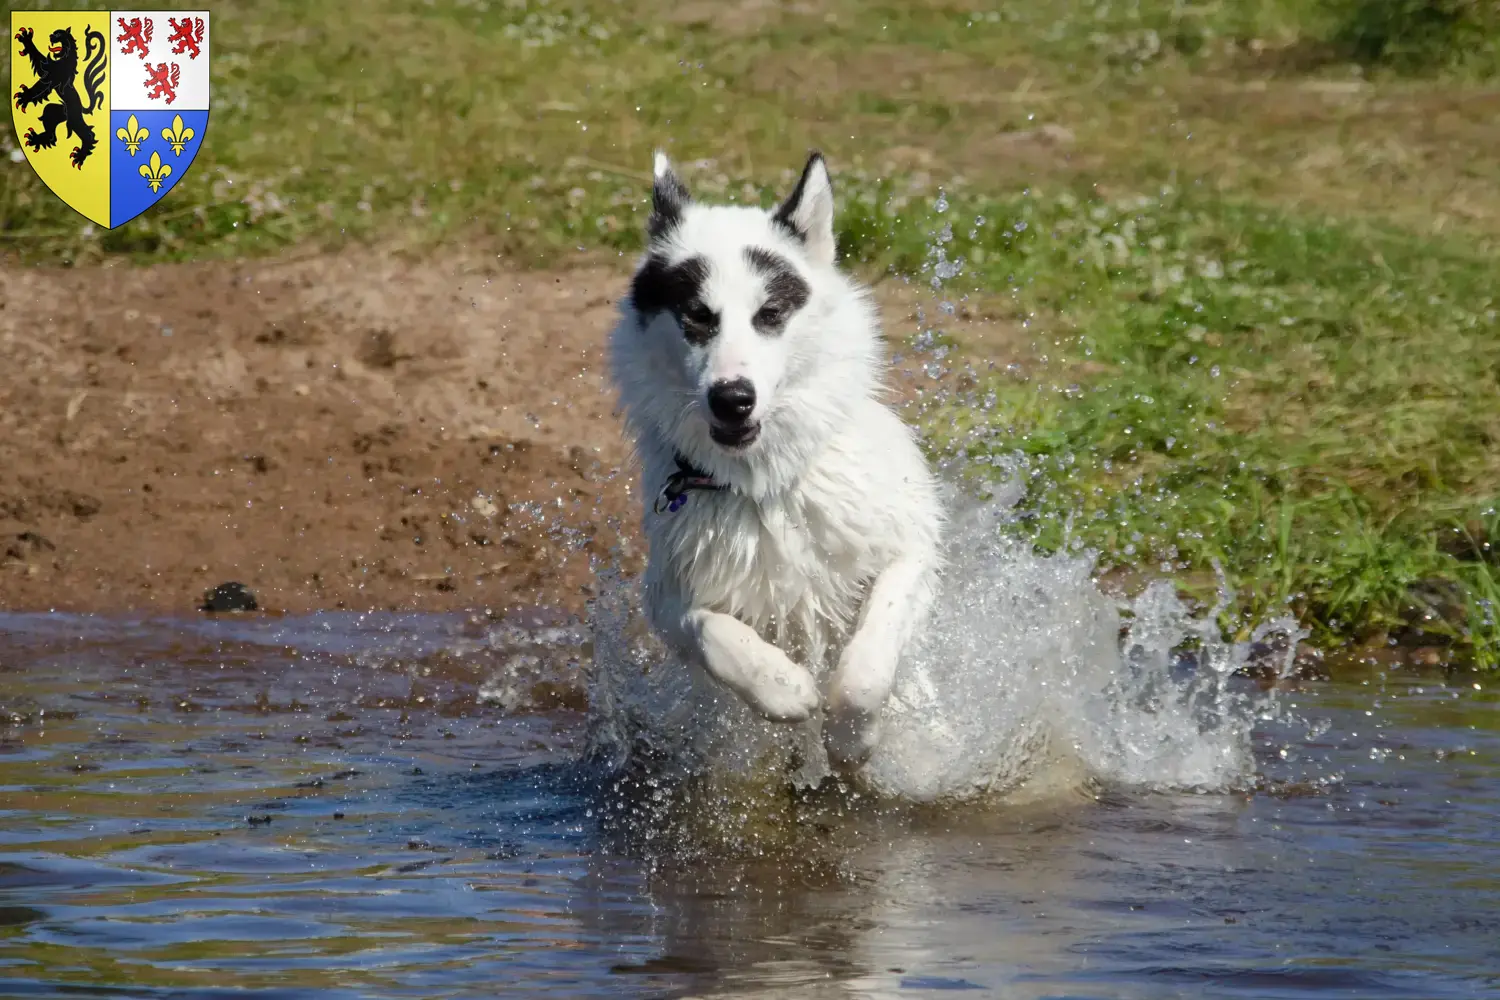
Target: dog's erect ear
(669, 196)
(807, 212)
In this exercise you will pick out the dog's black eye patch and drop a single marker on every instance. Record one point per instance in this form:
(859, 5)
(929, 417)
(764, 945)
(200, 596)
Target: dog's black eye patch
(786, 292)
(660, 286)
(699, 323)
(678, 289)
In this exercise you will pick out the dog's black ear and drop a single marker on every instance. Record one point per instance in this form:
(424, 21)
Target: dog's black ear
(669, 196)
(807, 212)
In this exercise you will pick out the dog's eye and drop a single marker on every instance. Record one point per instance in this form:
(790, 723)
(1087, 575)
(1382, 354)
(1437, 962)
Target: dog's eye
(699, 323)
(769, 316)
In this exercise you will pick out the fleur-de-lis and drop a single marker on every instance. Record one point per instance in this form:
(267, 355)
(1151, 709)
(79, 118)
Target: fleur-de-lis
(156, 171)
(132, 135)
(177, 135)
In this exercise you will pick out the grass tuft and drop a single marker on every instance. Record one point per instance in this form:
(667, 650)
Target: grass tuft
(1419, 35)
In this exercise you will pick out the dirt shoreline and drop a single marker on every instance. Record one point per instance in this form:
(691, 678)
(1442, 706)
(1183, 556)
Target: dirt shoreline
(359, 431)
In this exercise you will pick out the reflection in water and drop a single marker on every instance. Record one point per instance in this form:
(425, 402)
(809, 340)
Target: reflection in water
(401, 807)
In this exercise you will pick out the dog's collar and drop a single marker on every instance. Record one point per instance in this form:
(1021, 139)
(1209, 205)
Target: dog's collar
(674, 492)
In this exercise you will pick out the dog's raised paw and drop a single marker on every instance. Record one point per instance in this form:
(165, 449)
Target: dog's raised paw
(850, 736)
(786, 693)
(772, 685)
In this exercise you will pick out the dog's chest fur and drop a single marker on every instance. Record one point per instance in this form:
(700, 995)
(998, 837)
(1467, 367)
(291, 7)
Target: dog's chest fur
(795, 568)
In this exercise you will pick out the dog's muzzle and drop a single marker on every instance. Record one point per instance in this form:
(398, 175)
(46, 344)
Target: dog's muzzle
(732, 401)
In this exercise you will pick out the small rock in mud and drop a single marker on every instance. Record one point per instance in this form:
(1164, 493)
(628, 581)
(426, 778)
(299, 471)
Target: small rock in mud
(229, 597)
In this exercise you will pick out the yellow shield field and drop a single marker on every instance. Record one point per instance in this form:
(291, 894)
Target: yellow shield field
(60, 103)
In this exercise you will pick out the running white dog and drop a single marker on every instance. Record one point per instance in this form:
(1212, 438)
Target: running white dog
(794, 525)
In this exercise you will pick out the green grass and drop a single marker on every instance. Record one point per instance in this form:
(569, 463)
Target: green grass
(1419, 35)
(1258, 277)
(1312, 405)
(1413, 37)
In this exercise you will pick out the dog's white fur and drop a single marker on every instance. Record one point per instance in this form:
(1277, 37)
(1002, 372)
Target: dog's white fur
(824, 550)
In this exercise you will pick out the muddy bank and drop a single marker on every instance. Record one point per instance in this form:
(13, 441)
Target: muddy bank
(350, 432)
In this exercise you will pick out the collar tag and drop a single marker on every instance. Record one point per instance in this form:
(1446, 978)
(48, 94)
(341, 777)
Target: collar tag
(674, 492)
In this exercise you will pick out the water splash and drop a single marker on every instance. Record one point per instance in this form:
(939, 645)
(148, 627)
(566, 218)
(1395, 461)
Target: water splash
(1027, 673)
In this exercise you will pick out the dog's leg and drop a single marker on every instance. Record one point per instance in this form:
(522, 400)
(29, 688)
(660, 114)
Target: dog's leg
(733, 654)
(894, 609)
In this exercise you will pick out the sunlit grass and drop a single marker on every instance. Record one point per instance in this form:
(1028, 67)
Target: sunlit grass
(1312, 405)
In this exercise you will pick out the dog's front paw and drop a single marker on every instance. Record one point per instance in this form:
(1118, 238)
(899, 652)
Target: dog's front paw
(857, 695)
(850, 735)
(775, 688)
(787, 694)
(772, 685)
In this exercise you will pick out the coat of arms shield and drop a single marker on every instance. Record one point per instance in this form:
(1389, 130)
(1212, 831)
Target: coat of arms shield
(110, 106)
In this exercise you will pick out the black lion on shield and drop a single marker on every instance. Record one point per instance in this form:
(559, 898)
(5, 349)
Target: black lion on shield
(57, 75)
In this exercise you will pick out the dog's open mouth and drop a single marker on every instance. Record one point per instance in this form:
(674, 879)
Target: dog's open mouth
(737, 436)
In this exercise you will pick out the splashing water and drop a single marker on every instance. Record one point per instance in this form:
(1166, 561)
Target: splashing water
(1029, 671)
(1026, 675)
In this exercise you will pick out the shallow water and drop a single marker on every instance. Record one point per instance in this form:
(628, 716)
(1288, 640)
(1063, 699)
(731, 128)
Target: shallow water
(396, 806)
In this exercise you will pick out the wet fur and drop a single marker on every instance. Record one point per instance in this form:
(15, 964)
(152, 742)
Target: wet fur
(800, 586)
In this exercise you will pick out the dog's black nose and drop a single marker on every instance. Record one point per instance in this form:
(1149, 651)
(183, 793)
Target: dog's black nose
(732, 401)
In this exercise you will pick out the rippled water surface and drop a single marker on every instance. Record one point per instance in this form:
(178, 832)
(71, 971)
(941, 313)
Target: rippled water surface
(388, 806)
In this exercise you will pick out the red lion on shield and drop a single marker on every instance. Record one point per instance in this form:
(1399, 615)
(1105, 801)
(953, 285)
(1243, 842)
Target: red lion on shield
(163, 80)
(187, 34)
(135, 36)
